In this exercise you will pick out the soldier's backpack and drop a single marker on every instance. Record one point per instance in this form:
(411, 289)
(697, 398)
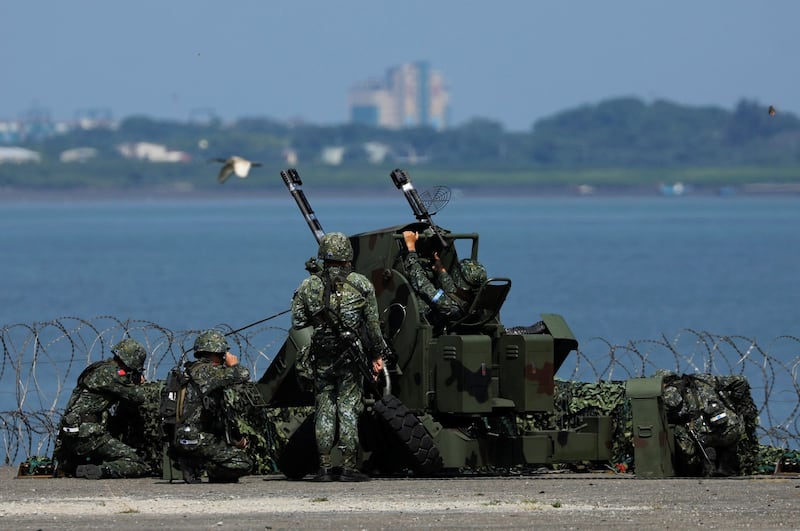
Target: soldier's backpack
(172, 399)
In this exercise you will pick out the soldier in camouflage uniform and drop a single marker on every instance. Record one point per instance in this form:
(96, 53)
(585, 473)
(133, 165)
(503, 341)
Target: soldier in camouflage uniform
(84, 447)
(708, 428)
(205, 436)
(332, 301)
(447, 297)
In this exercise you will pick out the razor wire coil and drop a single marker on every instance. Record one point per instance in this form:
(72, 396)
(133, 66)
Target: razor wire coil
(41, 362)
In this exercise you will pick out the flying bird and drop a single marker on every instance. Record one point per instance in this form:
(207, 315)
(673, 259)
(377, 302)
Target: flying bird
(238, 166)
(772, 111)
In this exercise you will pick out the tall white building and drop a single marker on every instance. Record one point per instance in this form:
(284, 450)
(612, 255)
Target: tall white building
(410, 95)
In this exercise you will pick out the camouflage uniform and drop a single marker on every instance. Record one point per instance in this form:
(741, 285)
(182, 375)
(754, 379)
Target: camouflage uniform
(708, 425)
(203, 433)
(442, 304)
(84, 442)
(338, 386)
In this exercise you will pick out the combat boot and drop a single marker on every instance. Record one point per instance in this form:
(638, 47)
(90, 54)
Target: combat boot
(90, 472)
(324, 475)
(223, 479)
(191, 474)
(353, 475)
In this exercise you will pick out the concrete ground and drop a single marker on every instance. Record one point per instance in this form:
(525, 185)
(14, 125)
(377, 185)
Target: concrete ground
(563, 501)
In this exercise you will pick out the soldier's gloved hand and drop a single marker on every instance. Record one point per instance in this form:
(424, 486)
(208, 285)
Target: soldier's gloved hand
(241, 444)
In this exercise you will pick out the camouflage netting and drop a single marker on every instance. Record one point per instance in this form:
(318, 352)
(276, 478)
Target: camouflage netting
(706, 412)
(253, 422)
(574, 400)
(283, 419)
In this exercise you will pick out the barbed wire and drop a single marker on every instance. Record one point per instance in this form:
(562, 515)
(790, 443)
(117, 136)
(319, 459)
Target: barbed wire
(771, 371)
(41, 362)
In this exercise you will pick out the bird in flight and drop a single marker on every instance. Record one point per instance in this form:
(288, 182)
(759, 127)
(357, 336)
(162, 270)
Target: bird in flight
(234, 165)
(772, 111)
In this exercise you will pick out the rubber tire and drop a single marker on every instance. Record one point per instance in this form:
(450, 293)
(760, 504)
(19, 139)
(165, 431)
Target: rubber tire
(299, 457)
(421, 454)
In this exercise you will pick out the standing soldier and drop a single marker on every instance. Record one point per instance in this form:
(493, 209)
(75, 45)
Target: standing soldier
(336, 302)
(205, 437)
(84, 447)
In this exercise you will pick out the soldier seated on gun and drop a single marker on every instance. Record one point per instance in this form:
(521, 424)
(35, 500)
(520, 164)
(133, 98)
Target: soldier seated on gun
(206, 439)
(447, 297)
(84, 446)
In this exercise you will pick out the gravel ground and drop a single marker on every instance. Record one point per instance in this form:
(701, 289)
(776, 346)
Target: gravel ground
(564, 501)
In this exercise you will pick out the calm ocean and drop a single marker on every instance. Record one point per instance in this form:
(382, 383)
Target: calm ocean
(622, 269)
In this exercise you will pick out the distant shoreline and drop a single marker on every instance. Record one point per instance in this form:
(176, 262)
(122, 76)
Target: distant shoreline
(71, 195)
(15, 194)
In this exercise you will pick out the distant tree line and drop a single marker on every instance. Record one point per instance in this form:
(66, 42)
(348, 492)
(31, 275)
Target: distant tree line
(622, 140)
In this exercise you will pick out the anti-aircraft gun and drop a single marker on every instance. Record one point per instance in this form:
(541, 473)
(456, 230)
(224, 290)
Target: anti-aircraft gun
(456, 393)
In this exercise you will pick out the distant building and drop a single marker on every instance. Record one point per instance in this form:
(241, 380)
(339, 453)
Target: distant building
(10, 132)
(94, 118)
(36, 125)
(18, 155)
(150, 152)
(410, 95)
(81, 154)
(333, 155)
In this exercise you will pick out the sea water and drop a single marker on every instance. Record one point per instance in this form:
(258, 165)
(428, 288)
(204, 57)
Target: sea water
(618, 268)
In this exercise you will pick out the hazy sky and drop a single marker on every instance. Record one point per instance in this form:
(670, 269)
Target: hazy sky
(514, 61)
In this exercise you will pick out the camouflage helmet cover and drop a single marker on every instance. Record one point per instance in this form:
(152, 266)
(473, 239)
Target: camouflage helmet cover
(131, 353)
(335, 246)
(471, 274)
(210, 341)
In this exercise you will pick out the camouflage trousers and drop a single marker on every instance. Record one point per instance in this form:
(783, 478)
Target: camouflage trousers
(220, 460)
(339, 403)
(119, 459)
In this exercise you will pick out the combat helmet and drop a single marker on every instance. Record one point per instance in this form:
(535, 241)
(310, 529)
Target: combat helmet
(210, 341)
(131, 353)
(335, 246)
(471, 275)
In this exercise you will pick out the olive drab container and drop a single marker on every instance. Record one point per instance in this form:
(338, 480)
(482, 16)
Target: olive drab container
(653, 440)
